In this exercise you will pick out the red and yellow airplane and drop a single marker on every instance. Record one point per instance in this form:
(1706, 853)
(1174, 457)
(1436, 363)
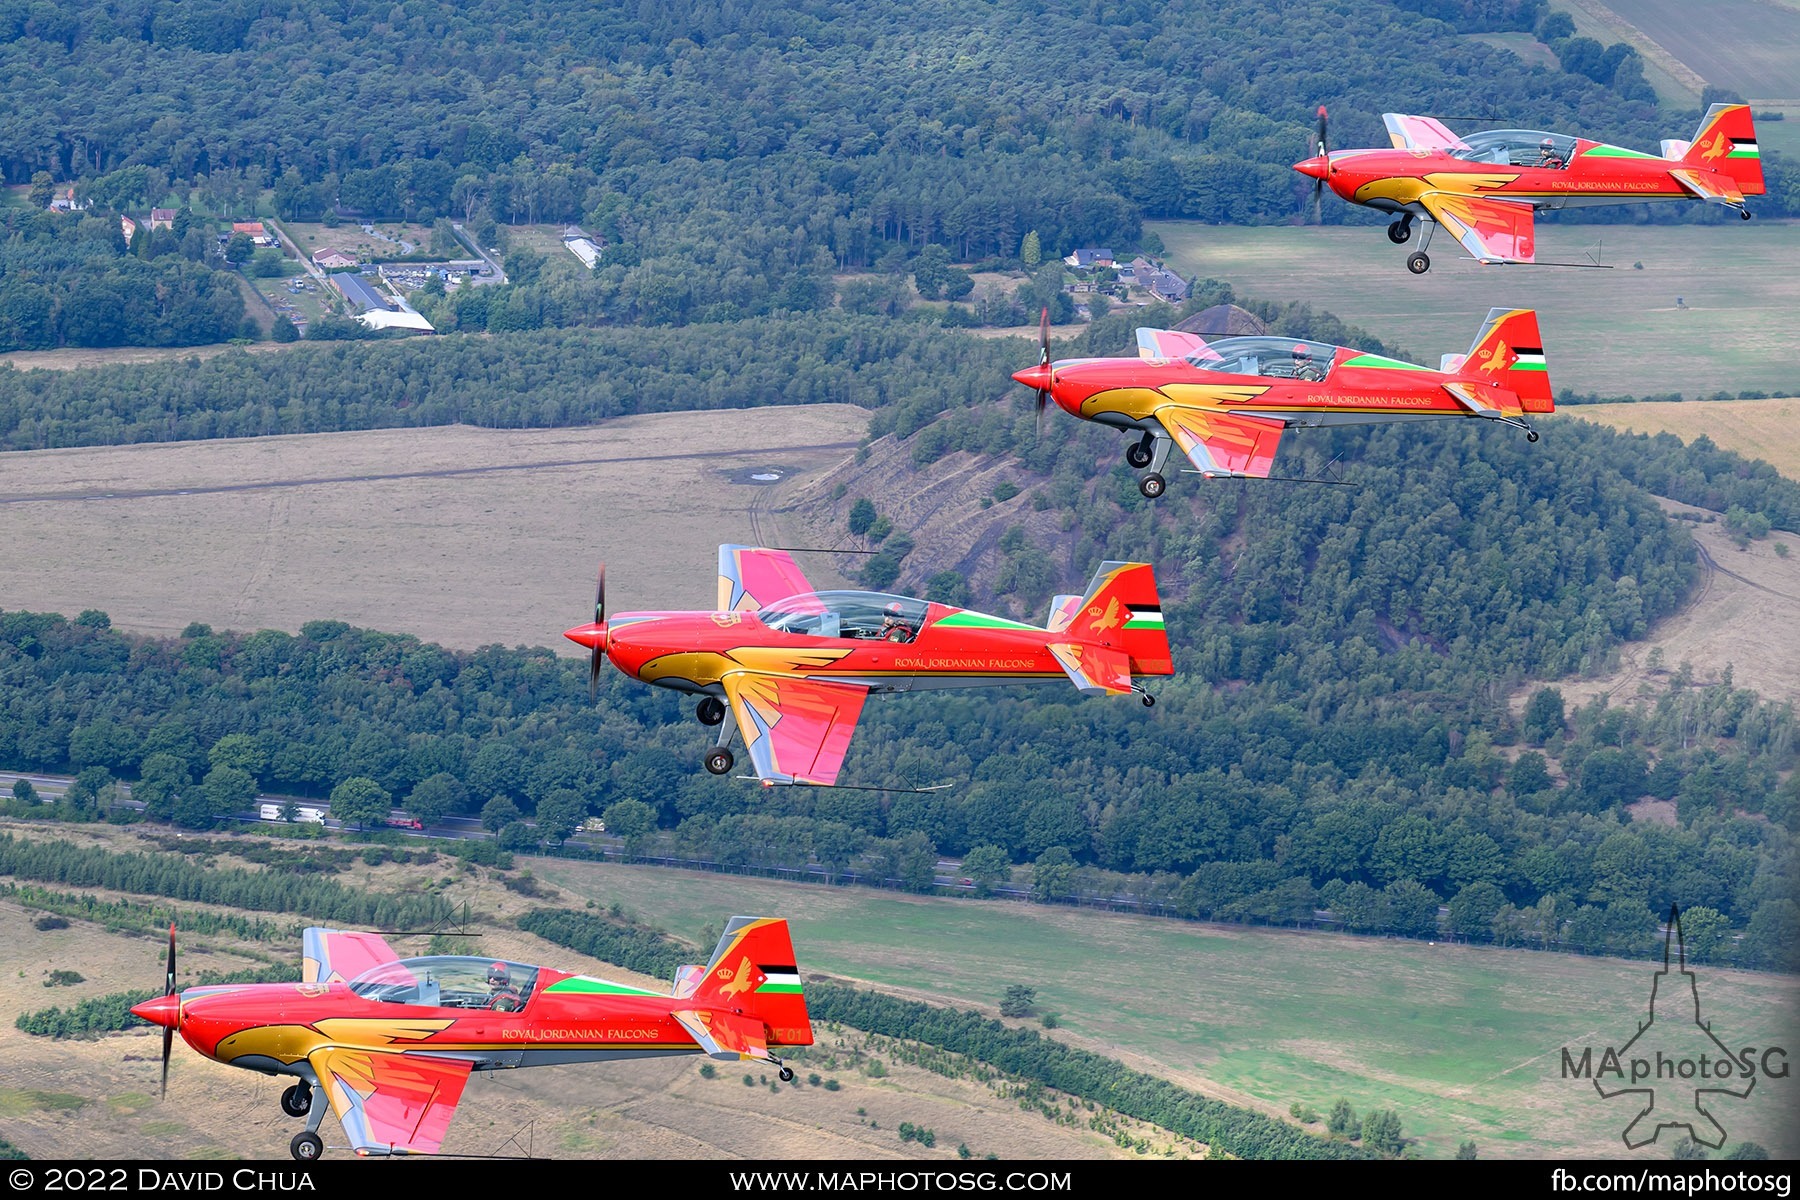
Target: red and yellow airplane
(391, 1041)
(1226, 402)
(1485, 188)
(791, 666)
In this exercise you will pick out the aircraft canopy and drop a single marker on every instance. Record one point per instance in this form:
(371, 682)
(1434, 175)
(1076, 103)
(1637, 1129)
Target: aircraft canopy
(1272, 356)
(1517, 148)
(448, 981)
(846, 615)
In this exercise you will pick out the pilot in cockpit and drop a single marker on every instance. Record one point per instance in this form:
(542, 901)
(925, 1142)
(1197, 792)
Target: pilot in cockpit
(894, 625)
(499, 981)
(1548, 156)
(1305, 367)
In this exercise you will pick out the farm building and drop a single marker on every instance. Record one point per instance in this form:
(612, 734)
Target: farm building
(360, 293)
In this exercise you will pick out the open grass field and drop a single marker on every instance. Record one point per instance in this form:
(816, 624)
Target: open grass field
(1749, 46)
(462, 536)
(1616, 332)
(1676, 84)
(1463, 1042)
(97, 1099)
(1765, 429)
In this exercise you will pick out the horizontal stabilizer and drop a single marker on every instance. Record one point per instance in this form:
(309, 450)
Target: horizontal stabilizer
(1095, 670)
(724, 1035)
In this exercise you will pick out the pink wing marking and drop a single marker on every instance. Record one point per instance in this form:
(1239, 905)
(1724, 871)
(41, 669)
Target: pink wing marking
(1224, 443)
(333, 956)
(797, 730)
(1491, 230)
(391, 1103)
(751, 577)
(1420, 133)
(1161, 345)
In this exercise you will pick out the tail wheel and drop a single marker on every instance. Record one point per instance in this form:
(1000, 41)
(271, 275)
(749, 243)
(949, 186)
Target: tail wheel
(1531, 435)
(786, 1074)
(1149, 700)
(1152, 485)
(306, 1147)
(719, 760)
(710, 710)
(1418, 263)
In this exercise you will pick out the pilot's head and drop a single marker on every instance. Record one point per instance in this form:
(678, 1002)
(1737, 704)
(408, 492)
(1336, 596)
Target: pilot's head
(1301, 354)
(498, 976)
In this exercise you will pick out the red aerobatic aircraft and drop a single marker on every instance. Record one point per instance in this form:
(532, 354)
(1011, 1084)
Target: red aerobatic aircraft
(1226, 402)
(1486, 187)
(391, 1041)
(791, 666)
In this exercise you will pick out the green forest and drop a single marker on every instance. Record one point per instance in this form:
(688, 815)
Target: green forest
(734, 155)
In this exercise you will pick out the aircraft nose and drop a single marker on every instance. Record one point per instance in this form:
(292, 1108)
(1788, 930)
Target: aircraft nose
(591, 635)
(163, 1010)
(1317, 166)
(1037, 378)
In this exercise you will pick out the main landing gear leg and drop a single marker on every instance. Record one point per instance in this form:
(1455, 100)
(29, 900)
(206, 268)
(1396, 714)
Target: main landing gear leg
(720, 759)
(1153, 484)
(308, 1146)
(1418, 262)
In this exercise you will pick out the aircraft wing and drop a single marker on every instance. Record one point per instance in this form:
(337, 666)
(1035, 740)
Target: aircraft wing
(798, 730)
(1221, 443)
(388, 1102)
(751, 577)
(333, 955)
(1160, 345)
(1095, 670)
(1714, 189)
(1420, 133)
(725, 1035)
(1491, 230)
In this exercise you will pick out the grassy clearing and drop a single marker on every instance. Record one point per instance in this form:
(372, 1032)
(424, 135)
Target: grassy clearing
(1463, 1042)
(1765, 429)
(1675, 82)
(1749, 46)
(1615, 332)
(463, 536)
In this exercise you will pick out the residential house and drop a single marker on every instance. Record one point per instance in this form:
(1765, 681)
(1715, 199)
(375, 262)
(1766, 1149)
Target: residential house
(254, 231)
(127, 228)
(1085, 259)
(162, 218)
(332, 260)
(586, 251)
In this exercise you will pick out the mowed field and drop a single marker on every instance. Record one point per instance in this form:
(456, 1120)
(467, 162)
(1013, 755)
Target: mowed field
(1614, 332)
(1463, 1042)
(1749, 46)
(1765, 429)
(96, 1099)
(462, 536)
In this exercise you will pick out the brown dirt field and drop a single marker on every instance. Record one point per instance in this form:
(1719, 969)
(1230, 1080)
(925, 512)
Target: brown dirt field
(71, 359)
(96, 1099)
(1765, 429)
(463, 536)
(1742, 615)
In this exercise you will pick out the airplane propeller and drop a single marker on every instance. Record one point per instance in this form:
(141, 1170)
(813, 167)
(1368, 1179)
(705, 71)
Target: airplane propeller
(1040, 377)
(168, 990)
(599, 652)
(1321, 147)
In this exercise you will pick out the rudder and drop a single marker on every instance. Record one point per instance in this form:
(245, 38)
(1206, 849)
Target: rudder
(1121, 608)
(1510, 351)
(1727, 143)
(753, 971)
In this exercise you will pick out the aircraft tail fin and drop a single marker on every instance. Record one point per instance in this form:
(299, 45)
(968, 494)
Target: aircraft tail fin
(1727, 143)
(1510, 351)
(753, 972)
(1122, 610)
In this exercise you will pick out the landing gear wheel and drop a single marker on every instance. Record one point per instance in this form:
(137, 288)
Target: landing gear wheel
(1400, 232)
(1418, 263)
(1149, 700)
(1531, 435)
(786, 1074)
(719, 760)
(710, 710)
(306, 1147)
(297, 1100)
(1744, 213)
(1138, 455)
(1152, 485)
